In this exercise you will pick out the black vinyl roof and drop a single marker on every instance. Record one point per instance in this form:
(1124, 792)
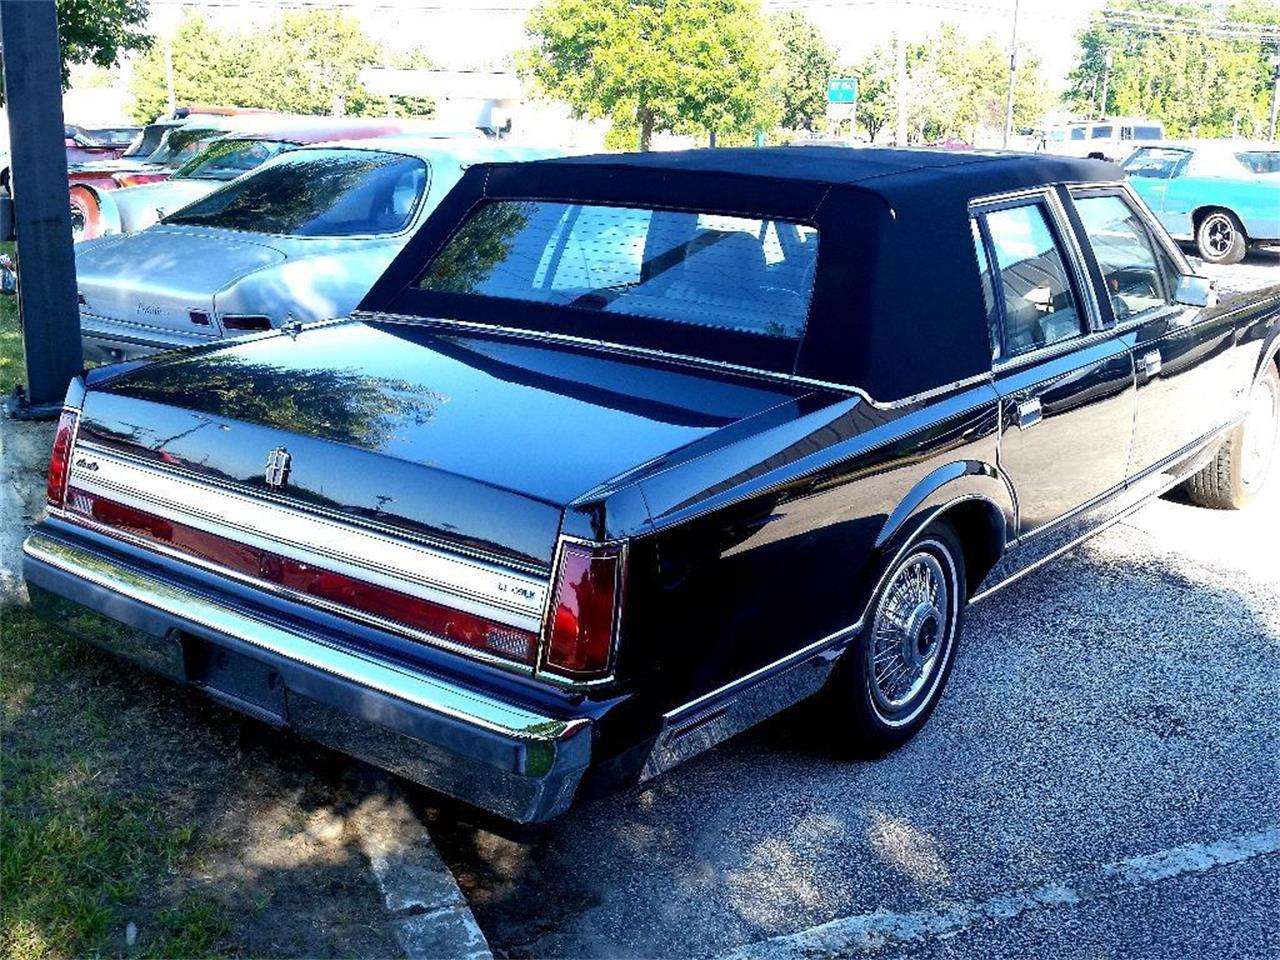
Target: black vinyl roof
(879, 169)
(897, 305)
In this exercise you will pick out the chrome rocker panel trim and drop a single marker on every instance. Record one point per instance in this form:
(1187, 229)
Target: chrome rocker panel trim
(514, 762)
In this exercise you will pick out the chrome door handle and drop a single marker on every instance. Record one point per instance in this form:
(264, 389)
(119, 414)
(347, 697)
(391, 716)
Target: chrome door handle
(1029, 413)
(1151, 363)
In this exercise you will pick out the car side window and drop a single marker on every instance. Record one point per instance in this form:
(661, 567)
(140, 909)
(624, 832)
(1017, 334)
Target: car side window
(1131, 268)
(1039, 304)
(988, 291)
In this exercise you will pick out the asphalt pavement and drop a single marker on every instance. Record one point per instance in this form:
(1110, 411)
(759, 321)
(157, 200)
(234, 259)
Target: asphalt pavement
(1100, 779)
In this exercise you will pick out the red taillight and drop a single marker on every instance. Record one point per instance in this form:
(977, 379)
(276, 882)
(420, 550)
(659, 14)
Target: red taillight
(60, 461)
(240, 321)
(581, 627)
(456, 626)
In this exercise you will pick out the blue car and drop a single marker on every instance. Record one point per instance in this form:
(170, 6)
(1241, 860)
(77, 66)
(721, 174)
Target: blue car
(1223, 194)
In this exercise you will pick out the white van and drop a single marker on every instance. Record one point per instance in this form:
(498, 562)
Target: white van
(1112, 138)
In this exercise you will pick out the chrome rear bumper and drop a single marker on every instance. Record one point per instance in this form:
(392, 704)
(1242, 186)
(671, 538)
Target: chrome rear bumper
(517, 763)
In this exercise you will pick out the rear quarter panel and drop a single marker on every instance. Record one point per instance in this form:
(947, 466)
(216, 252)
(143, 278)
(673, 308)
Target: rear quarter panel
(776, 542)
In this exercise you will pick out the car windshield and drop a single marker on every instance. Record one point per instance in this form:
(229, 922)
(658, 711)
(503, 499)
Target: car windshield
(113, 135)
(1154, 162)
(733, 273)
(227, 159)
(1260, 161)
(180, 143)
(145, 143)
(317, 193)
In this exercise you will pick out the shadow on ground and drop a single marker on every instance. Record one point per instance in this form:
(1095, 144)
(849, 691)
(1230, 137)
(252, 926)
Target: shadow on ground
(1097, 710)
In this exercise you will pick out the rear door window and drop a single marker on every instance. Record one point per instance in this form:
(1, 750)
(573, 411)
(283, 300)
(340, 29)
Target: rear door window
(1039, 305)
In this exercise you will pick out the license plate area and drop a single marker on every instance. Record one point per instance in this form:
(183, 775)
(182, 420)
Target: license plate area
(241, 682)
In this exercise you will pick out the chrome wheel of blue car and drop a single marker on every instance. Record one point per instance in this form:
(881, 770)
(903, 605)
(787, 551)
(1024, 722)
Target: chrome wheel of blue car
(1220, 237)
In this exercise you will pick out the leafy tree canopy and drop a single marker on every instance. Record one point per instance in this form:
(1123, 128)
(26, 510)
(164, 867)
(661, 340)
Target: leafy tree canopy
(655, 65)
(309, 62)
(98, 32)
(805, 62)
(1197, 84)
(955, 87)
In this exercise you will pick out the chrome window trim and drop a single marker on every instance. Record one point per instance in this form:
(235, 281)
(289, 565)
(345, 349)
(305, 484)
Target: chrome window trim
(426, 573)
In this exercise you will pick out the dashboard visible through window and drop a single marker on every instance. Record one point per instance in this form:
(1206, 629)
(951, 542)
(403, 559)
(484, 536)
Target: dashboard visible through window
(1131, 265)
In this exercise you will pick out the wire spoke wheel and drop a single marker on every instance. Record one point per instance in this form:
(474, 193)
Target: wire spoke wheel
(1261, 430)
(911, 635)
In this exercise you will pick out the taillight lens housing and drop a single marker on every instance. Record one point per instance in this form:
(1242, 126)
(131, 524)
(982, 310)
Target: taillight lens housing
(582, 621)
(241, 321)
(60, 462)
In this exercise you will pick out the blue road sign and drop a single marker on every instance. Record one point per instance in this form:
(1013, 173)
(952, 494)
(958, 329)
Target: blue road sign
(842, 90)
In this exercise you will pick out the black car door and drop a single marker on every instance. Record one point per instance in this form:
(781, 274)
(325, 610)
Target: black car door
(1188, 374)
(1065, 382)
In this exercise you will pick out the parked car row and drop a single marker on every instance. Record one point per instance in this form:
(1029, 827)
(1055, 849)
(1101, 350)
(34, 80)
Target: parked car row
(621, 454)
(1224, 195)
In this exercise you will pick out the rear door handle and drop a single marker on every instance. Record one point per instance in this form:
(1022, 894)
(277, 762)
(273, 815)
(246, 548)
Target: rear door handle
(1151, 363)
(1029, 413)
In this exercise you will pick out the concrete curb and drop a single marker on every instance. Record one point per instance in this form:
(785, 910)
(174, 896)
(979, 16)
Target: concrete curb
(430, 916)
(24, 463)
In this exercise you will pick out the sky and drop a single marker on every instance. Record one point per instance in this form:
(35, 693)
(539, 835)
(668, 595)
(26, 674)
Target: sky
(470, 34)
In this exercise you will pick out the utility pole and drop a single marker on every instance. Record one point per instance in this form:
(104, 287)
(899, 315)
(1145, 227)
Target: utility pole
(1013, 69)
(1275, 94)
(168, 76)
(900, 91)
(47, 308)
(1106, 81)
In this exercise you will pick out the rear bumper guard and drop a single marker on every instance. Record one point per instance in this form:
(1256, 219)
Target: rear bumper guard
(514, 762)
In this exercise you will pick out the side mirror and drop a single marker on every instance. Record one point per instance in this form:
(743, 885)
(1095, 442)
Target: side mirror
(1196, 291)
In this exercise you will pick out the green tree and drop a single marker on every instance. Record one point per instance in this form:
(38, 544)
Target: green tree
(1197, 84)
(654, 65)
(876, 106)
(805, 63)
(97, 32)
(308, 62)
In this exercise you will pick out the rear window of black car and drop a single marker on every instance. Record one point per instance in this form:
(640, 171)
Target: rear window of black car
(317, 193)
(745, 274)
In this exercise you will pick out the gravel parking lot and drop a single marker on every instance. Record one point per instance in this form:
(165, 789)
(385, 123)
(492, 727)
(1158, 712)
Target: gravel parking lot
(1120, 704)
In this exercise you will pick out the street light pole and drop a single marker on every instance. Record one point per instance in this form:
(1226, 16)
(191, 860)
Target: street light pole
(1013, 68)
(47, 307)
(1275, 94)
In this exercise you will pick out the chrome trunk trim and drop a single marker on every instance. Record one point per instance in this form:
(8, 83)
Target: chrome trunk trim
(506, 596)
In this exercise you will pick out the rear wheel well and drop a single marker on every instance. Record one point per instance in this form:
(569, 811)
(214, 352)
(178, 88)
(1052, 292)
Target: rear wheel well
(979, 525)
(1199, 214)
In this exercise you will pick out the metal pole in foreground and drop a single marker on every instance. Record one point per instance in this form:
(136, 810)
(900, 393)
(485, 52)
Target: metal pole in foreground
(1013, 68)
(49, 312)
(1275, 95)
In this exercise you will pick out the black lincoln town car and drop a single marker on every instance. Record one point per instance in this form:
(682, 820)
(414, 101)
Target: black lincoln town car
(626, 453)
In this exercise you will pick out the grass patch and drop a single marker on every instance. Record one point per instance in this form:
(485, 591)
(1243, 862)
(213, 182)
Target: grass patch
(88, 840)
(13, 369)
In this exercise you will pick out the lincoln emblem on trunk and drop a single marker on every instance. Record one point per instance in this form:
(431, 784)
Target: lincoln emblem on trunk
(276, 471)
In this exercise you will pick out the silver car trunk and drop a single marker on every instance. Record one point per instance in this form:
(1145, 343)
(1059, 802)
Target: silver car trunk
(159, 277)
